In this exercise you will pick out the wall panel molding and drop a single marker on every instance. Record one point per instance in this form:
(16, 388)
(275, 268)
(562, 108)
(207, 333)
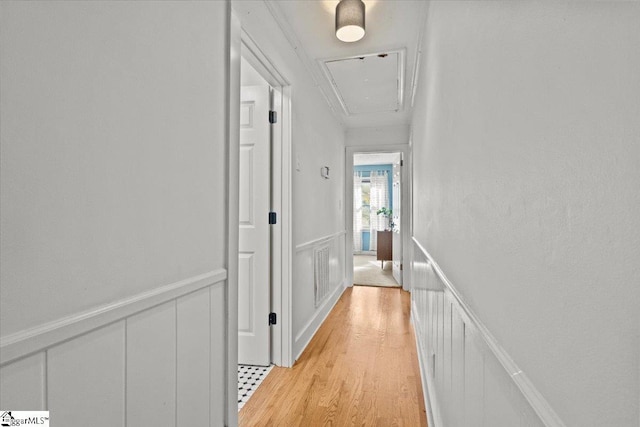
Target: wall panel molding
(23, 384)
(163, 362)
(308, 316)
(100, 356)
(29, 341)
(319, 241)
(431, 294)
(429, 400)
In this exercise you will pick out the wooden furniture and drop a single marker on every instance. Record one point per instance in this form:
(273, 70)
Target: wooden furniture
(385, 247)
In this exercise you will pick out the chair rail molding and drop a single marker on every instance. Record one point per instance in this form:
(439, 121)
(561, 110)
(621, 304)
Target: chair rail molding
(33, 340)
(478, 333)
(319, 241)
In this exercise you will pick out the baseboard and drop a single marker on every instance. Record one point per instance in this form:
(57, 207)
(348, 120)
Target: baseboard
(312, 326)
(29, 341)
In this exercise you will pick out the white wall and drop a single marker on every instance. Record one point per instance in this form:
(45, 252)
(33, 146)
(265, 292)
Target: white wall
(527, 166)
(113, 194)
(373, 136)
(317, 140)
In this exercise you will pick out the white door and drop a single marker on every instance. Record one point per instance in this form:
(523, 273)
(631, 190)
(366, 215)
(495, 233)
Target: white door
(253, 278)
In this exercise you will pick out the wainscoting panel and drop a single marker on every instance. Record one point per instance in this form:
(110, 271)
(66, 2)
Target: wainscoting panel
(440, 320)
(193, 323)
(500, 396)
(151, 366)
(90, 370)
(156, 358)
(310, 308)
(457, 366)
(473, 383)
(217, 356)
(447, 343)
(469, 380)
(23, 384)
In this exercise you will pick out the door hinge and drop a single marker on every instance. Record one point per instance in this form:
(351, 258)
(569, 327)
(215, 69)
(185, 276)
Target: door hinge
(273, 117)
(272, 319)
(272, 218)
(401, 162)
(400, 266)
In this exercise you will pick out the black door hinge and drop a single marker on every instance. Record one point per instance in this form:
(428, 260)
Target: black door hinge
(273, 117)
(272, 218)
(272, 319)
(401, 162)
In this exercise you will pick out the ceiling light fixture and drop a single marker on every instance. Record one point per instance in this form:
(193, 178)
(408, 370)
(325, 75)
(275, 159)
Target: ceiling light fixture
(350, 20)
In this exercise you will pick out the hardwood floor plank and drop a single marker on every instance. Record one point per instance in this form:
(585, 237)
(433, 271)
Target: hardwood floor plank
(360, 369)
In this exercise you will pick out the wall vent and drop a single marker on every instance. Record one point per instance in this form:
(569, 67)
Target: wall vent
(321, 274)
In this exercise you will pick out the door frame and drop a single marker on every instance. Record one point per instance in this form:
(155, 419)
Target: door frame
(281, 264)
(406, 204)
(281, 255)
(232, 175)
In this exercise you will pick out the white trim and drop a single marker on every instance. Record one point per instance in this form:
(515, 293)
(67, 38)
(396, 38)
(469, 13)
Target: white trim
(232, 173)
(286, 214)
(260, 62)
(276, 230)
(310, 244)
(322, 312)
(538, 403)
(39, 338)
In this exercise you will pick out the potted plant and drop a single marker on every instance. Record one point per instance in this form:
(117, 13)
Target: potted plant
(387, 213)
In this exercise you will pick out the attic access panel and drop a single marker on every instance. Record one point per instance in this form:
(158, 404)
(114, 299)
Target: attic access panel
(368, 83)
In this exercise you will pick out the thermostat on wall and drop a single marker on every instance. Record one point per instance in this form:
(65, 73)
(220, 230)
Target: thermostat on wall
(324, 171)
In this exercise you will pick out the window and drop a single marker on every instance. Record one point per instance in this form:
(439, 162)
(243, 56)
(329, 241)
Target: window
(366, 204)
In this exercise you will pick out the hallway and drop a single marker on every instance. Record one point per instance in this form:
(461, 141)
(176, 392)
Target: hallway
(361, 368)
(126, 205)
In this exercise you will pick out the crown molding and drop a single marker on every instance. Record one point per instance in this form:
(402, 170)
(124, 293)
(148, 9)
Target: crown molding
(313, 71)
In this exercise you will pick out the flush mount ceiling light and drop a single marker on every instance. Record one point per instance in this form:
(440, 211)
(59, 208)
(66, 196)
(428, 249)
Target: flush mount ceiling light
(350, 20)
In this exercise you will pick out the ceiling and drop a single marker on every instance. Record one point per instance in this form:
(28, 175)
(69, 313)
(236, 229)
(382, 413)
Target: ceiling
(369, 90)
(367, 84)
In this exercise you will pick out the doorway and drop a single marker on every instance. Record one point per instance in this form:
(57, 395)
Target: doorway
(377, 242)
(258, 74)
(264, 211)
(390, 162)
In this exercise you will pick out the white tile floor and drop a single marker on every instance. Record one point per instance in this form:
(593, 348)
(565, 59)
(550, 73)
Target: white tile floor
(249, 379)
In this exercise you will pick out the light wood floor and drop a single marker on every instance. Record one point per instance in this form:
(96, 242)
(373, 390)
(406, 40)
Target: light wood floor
(361, 368)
